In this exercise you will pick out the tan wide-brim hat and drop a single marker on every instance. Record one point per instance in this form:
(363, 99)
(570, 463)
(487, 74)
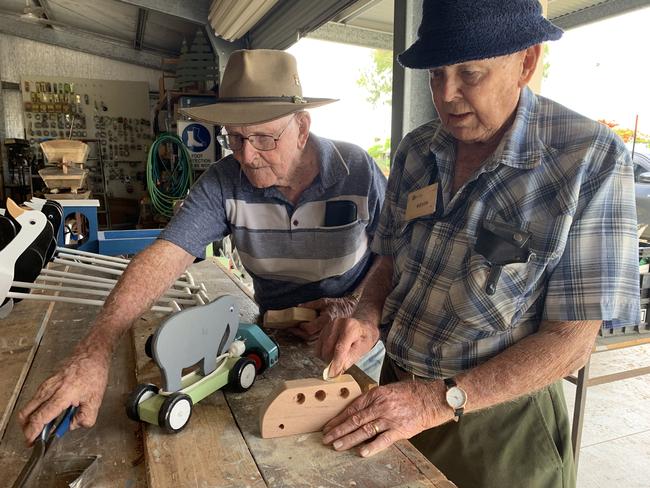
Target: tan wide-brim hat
(258, 85)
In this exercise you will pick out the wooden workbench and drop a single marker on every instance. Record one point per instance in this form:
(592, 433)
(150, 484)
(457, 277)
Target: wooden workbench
(220, 447)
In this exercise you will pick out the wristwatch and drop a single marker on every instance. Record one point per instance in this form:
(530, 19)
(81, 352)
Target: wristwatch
(456, 397)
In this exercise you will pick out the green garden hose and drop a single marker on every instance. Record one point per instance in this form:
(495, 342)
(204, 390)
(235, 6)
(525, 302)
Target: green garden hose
(167, 181)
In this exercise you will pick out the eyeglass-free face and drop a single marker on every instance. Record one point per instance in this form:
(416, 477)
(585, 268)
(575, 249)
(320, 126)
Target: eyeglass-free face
(261, 142)
(476, 99)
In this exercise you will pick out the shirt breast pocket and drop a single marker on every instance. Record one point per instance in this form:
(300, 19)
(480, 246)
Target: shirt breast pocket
(339, 240)
(547, 246)
(519, 285)
(469, 300)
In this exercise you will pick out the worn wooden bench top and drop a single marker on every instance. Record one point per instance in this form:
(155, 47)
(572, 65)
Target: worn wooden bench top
(221, 447)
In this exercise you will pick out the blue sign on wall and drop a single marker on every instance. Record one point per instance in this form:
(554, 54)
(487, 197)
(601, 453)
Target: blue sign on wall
(196, 137)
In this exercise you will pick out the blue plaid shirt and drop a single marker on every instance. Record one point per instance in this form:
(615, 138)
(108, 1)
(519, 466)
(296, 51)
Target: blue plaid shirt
(566, 180)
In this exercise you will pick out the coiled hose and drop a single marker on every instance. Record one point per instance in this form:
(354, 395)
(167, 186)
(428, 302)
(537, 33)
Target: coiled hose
(167, 182)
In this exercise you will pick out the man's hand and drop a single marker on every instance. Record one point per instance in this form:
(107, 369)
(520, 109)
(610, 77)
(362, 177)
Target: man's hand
(387, 414)
(81, 381)
(328, 309)
(344, 342)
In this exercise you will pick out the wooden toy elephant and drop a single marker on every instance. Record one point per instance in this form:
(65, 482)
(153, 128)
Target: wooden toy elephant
(195, 335)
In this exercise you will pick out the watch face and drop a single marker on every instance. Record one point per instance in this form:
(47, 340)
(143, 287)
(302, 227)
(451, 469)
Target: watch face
(456, 397)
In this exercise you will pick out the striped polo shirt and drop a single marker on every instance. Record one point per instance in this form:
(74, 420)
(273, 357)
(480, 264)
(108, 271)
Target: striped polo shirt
(291, 255)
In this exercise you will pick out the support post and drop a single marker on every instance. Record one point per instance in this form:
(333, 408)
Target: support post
(411, 102)
(4, 169)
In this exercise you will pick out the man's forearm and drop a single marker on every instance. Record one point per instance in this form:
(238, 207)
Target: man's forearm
(557, 349)
(376, 286)
(146, 278)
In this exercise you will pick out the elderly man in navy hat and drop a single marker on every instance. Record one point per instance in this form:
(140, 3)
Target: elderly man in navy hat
(508, 235)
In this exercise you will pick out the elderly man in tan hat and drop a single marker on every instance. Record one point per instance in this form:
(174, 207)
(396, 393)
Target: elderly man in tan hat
(508, 235)
(300, 209)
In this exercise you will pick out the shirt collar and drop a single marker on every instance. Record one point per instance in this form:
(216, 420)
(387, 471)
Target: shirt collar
(333, 167)
(520, 146)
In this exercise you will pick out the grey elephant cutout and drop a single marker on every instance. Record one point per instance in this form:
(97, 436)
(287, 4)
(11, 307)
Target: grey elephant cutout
(195, 335)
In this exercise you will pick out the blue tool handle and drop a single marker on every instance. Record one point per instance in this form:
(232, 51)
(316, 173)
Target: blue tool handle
(64, 425)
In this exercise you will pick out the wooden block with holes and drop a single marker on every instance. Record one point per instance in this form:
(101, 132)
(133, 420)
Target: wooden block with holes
(289, 317)
(301, 406)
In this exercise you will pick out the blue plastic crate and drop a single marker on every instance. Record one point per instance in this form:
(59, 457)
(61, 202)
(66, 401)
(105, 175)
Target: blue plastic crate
(121, 242)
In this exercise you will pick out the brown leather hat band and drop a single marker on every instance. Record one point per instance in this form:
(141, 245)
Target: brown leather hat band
(294, 99)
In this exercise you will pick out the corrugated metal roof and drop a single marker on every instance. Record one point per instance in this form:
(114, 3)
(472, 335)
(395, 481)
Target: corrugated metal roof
(109, 19)
(378, 14)
(574, 13)
(138, 29)
(145, 28)
(557, 8)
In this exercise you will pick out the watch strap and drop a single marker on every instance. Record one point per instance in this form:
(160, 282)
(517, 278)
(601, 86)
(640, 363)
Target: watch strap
(449, 382)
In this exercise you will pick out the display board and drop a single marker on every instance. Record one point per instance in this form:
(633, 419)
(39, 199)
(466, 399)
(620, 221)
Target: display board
(113, 114)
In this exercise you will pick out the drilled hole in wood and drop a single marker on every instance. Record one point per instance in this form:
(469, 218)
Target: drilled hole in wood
(320, 395)
(344, 393)
(300, 398)
(281, 426)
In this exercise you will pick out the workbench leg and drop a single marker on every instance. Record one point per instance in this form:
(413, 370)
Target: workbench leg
(579, 410)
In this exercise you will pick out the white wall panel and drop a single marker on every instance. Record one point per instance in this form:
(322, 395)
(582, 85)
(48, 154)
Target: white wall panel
(20, 57)
(25, 57)
(13, 105)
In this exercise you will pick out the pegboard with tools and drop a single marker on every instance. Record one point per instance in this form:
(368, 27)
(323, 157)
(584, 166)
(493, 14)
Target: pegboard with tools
(115, 113)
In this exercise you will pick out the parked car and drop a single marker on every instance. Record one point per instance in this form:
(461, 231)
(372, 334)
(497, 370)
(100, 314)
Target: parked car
(642, 190)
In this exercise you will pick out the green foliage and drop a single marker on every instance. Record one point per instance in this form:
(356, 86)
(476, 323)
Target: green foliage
(378, 83)
(378, 80)
(626, 134)
(546, 66)
(380, 152)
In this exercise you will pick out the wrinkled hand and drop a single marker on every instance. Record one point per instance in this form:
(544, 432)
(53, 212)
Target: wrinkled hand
(387, 414)
(344, 342)
(80, 381)
(328, 309)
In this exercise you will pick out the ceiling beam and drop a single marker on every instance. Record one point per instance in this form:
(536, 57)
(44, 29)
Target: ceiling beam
(79, 41)
(349, 34)
(603, 10)
(289, 20)
(355, 10)
(140, 27)
(195, 11)
(222, 48)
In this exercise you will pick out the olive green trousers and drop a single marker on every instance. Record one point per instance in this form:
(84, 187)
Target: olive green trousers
(524, 443)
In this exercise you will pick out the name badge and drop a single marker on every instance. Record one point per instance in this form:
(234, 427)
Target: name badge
(422, 202)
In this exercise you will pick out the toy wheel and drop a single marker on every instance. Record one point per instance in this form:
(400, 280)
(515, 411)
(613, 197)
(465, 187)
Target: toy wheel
(141, 393)
(257, 357)
(148, 347)
(242, 375)
(175, 412)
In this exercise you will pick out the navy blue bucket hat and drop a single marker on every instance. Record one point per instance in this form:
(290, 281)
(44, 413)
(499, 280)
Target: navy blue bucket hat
(456, 31)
